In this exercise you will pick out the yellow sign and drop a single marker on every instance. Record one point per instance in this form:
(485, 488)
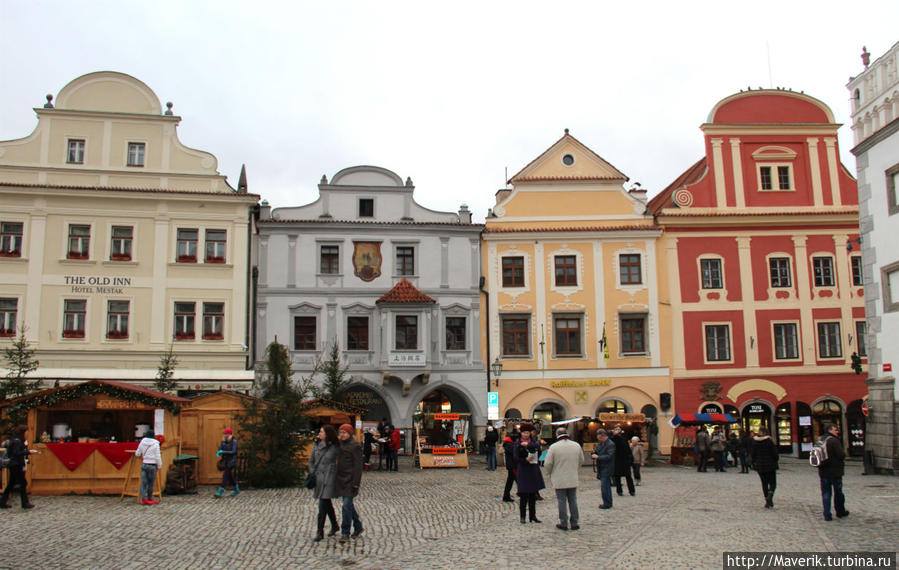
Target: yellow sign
(579, 383)
(608, 417)
(580, 397)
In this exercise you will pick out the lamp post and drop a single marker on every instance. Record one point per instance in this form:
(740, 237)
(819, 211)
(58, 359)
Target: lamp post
(497, 368)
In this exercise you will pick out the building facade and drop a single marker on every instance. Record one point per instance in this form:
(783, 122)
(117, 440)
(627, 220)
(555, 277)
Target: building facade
(393, 284)
(119, 242)
(573, 274)
(874, 96)
(761, 239)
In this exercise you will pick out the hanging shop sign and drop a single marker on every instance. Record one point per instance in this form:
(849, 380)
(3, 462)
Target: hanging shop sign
(610, 417)
(443, 417)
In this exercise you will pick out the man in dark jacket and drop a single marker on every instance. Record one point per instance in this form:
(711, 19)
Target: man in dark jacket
(624, 458)
(830, 472)
(349, 478)
(604, 454)
(745, 452)
(17, 452)
(509, 444)
(702, 448)
(764, 461)
(490, 439)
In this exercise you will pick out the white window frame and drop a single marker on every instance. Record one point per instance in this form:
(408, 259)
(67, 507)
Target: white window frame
(80, 152)
(720, 261)
(89, 237)
(187, 253)
(113, 239)
(775, 176)
(10, 328)
(833, 270)
(217, 244)
(730, 342)
(798, 339)
(861, 270)
(143, 154)
(13, 239)
(108, 314)
(838, 337)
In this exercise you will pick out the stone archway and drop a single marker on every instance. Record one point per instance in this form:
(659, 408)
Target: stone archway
(367, 397)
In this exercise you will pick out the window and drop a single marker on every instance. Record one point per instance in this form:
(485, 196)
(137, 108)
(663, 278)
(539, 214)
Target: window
(892, 175)
(366, 207)
(79, 242)
(357, 333)
(136, 154)
(187, 245)
(513, 272)
(8, 315)
(773, 177)
(405, 260)
(304, 333)
(717, 343)
(117, 319)
(184, 321)
(861, 331)
(406, 332)
(780, 272)
(829, 340)
(11, 239)
(515, 336)
(330, 260)
(455, 333)
(711, 273)
(73, 318)
(633, 334)
(889, 282)
(629, 269)
(213, 321)
(566, 270)
(786, 341)
(75, 154)
(857, 270)
(823, 267)
(120, 245)
(568, 336)
(215, 246)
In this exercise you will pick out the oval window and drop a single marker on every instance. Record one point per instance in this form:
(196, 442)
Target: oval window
(568, 159)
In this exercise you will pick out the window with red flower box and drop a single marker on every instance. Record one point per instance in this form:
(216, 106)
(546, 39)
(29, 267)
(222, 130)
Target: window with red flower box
(184, 321)
(8, 314)
(213, 321)
(79, 241)
(187, 245)
(120, 245)
(11, 239)
(117, 319)
(73, 318)
(216, 240)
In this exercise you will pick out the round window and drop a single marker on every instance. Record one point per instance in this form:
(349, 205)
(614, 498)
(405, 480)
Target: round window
(568, 159)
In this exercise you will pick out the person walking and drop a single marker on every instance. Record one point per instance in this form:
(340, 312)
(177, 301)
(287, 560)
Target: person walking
(17, 451)
(718, 445)
(510, 442)
(639, 455)
(830, 471)
(349, 479)
(624, 461)
(382, 442)
(323, 462)
(529, 479)
(745, 451)
(764, 460)
(604, 454)
(368, 443)
(228, 450)
(393, 449)
(702, 448)
(490, 439)
(148, 450)
(563, 460)
(733, 448)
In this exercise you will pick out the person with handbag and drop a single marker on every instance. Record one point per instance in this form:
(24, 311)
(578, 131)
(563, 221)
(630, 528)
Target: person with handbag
(17, 451)
(529, 478)
(227, 455)
(323, 478)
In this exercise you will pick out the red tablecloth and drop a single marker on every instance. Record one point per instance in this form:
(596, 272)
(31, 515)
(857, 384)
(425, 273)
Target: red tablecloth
(73, 454)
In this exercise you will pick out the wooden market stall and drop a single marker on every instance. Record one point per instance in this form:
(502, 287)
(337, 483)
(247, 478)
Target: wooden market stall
(86, 434)
(322, 411)
(685, 428)
(440, 440)
(202, 425)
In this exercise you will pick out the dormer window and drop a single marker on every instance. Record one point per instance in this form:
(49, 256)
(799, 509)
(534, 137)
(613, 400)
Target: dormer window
(775, 178)
(774, 168)
(366, 207)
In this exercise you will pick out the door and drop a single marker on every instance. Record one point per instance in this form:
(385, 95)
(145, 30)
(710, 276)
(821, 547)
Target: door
(210, 438)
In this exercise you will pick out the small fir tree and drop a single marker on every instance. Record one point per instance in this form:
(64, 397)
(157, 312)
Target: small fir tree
(20, 362)
(336, 381)
(165, 381)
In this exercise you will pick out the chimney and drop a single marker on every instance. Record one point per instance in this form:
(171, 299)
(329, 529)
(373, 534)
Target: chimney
(638, 192)
(464, 214)
(502, 194)
(265, 210)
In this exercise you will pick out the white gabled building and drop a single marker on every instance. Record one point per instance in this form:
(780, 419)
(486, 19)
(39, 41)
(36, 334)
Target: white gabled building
(393, 283)
(874, 95)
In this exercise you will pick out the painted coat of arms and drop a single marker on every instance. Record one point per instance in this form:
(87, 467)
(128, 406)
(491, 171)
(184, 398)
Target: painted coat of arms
(367, 259)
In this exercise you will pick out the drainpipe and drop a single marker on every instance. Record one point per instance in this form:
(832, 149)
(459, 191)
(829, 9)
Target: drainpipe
(252, 280)
(487, 319)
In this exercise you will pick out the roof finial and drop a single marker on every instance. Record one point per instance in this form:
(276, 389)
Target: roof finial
(866, 57)
(168, 108)
(242, 181)
(49, 103)
(324, 179)
(566, 131)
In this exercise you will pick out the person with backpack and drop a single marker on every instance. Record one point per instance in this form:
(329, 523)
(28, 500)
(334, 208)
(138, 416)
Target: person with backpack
(764, 461)
(831, 464)
(17, 451)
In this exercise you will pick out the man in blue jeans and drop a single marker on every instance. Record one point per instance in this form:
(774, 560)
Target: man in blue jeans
(490, 438)
(604, 454)
(831, 473)
(349, 478)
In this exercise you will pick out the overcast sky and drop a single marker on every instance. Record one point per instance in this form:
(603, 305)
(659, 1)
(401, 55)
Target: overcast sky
(449, 94)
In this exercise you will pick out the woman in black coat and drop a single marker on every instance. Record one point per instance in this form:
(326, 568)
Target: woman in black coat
(529, 478)
(17, 451)
(764, 461)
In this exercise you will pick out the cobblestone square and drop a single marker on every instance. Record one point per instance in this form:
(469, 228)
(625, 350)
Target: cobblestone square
(455, 519)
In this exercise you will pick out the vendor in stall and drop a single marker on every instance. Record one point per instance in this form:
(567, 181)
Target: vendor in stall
(107, 429)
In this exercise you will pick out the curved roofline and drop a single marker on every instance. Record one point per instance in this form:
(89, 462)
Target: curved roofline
(87, 78)
(807, 98)
(335, 181)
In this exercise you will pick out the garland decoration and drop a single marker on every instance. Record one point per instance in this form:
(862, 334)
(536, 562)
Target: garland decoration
(53, 396)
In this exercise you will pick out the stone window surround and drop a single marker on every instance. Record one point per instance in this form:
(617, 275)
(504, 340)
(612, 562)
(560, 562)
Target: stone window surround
(705, 257)
(890, 297)
(528, 317)
(579, 316)
(798, 356)
(730, 342)
(892, 197)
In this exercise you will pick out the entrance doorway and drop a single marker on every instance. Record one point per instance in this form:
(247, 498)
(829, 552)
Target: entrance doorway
(547, 413)
(827, 412)
(756, 415)
(443, 401)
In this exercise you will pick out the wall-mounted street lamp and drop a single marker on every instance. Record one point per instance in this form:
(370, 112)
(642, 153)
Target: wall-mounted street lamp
(497, 368)
(857, 240)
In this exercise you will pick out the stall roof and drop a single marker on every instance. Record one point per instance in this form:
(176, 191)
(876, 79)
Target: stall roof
(325, 403)
(121, 390)
(696, 419)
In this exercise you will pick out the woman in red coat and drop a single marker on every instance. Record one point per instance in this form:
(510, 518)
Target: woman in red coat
(394, 448)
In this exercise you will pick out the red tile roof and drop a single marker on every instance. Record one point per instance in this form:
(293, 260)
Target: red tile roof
(501, 230)
(405, 292)
(690, 176)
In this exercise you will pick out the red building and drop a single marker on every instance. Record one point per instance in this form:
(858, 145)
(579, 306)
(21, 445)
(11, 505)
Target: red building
(767, 300)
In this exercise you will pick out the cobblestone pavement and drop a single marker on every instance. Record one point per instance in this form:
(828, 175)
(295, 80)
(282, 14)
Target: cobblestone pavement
(455, 519)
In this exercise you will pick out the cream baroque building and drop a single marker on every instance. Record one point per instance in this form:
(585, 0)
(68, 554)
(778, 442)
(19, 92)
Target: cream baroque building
(117, 241)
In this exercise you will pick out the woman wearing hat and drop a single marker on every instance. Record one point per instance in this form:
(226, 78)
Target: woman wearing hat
(228, 449)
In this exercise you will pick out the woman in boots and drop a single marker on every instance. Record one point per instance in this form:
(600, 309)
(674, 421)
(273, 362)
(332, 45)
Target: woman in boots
(228, 450)
(764, 461)
(323, 462)
(529, 478)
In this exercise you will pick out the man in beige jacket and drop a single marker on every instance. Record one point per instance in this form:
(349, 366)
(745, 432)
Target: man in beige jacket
(563, 460)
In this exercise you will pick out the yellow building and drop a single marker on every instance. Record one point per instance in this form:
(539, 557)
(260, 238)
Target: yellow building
(119, 241)
(577, 296)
